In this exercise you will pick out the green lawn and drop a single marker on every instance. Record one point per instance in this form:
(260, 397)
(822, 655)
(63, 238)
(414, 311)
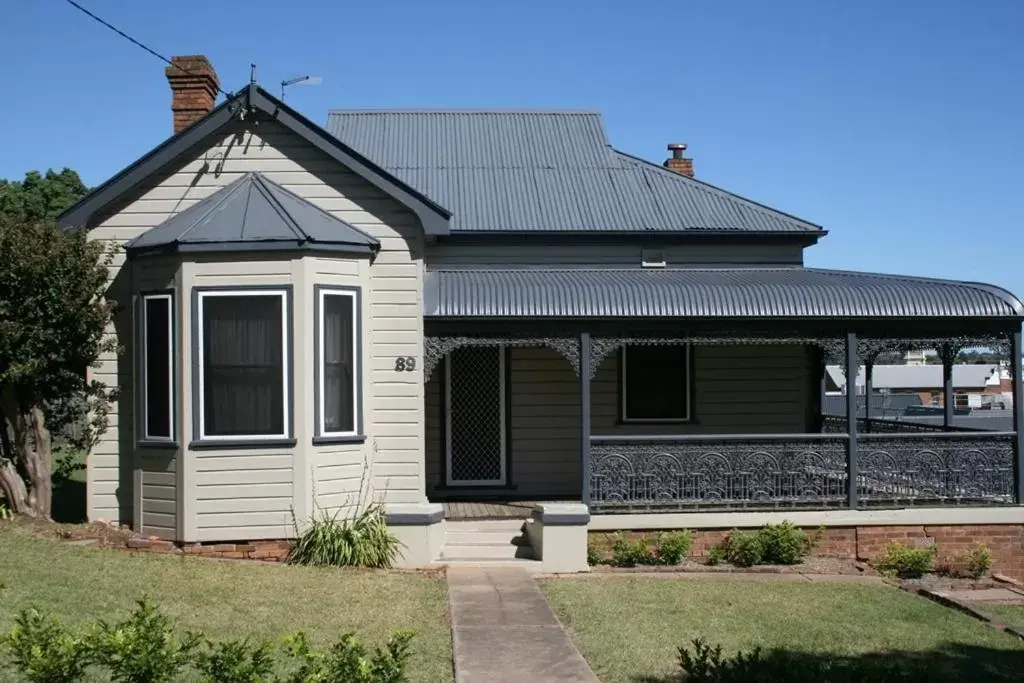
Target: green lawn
(629, 628)
(1012, 615)
(227, 599)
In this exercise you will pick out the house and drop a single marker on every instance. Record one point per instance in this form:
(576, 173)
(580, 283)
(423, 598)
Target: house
(455, 311)
(973, 385)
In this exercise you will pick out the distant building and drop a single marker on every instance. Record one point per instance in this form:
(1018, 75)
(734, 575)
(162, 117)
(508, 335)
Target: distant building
(919, 357)
(974, 386)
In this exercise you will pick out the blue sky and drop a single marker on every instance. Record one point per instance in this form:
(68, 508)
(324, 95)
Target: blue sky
(899, 126)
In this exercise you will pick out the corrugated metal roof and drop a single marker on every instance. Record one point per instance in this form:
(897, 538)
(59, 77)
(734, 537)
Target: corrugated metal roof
(706, 293)
(918, 376)
(253, 213)
(533, 171)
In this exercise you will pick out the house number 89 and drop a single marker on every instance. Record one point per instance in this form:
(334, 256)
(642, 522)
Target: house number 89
(405, 364)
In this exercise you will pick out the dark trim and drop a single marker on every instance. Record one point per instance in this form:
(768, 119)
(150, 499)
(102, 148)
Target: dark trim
(507, 399)
(474, 491)
(289, 367)
(414, 518)
(1016, 352)
(238, 247)
(231, 444)
(852, 366)
(442, 446)
(585, 463)
(141, 349)
(357, 312)
(617, 238)
(151, 444)
(621, 395)
(671, 438)
(560, 518)
(433, 217)
(327, 440)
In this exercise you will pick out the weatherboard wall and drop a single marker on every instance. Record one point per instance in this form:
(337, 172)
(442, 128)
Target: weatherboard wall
(393, 323)
(736, 389)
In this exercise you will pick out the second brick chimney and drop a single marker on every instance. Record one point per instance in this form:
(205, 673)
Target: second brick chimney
(194, 88)
(677, 162)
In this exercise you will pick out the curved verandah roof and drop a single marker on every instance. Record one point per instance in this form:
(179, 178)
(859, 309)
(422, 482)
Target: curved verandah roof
(708, 293)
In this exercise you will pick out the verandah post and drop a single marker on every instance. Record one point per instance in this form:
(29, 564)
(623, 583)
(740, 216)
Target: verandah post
(869, 371)
(585, 416)
(948, 402)
(851, 417)
(1018, 415)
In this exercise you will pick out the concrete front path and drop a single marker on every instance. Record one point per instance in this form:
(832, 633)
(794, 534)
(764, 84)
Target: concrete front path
(503, 630)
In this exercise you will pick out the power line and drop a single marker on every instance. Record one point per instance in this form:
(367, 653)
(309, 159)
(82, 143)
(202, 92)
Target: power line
(133, 41)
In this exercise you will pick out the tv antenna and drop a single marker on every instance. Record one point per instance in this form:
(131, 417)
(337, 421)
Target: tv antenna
(299, 80)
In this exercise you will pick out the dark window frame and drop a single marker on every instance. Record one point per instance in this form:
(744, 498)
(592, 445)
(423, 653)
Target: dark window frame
(287, 438)
(320, 434)
(142, 374)
(623, 381)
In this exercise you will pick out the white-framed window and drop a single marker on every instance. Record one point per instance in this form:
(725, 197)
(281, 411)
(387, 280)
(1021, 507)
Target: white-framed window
(655, 383)
(337, 362)
(242, 358)
(157, 367)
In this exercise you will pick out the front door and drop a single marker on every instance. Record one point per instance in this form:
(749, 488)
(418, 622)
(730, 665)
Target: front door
(475, 416)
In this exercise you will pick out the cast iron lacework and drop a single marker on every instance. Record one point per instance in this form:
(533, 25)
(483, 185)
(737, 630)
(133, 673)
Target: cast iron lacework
(718, 473)
(436, 348)
(836, 424)
(936, 470)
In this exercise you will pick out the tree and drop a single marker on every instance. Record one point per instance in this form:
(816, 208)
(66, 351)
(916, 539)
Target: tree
(52, 321)
(40, 197)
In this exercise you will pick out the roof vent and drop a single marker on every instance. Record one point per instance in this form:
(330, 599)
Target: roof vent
(652, 258)
(677, 162)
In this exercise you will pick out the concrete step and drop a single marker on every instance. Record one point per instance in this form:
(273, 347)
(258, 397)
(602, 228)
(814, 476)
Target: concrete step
(493, 551)
(511, 525)
(484, 537)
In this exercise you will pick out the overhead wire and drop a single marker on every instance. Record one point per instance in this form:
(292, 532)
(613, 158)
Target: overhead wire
(135, 42)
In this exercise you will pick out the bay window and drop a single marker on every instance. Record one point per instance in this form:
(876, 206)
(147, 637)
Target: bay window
(337, 363)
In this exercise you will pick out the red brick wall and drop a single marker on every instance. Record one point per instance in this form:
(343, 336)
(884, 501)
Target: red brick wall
(267, 551)
(1006, 541)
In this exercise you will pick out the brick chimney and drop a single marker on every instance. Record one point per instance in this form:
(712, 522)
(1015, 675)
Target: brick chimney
(677, 162)
(194, 87)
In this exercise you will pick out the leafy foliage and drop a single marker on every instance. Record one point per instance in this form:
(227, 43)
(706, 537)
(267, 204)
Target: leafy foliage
(5, 513)
(52, 321)
(627, 553)
(744, 548)
(43, 650)
(674, 546)
(976, 560)
(40, 197)
(904, 561)
(236, 661)
(360, 539)
(594, 554)
(783, 543)
(716, 555)
(143, 648)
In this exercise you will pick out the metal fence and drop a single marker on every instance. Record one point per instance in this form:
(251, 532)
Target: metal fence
(799, 471)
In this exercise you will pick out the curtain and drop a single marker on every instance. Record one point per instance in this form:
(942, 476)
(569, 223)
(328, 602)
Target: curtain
(338, 369)
(243, 365)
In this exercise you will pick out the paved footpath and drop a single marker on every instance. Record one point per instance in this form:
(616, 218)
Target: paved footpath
(503, 630)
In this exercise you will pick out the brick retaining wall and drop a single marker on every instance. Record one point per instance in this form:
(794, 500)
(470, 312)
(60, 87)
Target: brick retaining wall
(267, 551)
(863, 543)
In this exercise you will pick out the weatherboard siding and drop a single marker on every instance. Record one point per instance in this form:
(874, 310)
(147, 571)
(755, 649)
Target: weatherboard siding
(737, 389)
(393, 296)
(158, 493)
(476, 256)
(242, 494)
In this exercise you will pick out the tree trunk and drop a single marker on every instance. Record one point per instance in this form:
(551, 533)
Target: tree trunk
(26, 461)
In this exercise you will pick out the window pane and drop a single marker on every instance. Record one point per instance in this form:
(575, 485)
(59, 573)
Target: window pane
(655, 383)
(338, 364)
(158, 367)
(243, 364)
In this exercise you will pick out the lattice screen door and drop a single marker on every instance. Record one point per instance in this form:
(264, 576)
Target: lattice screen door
(475, 391)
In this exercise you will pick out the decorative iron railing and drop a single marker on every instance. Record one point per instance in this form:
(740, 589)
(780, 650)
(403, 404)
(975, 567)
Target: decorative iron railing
(799, 470)
(936, 469)
(836, 424)
(718, 471)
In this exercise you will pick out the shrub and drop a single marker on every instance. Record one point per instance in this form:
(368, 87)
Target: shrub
(783, 543)
(716, 554)
(236, 661)
(43, 651)
(674, 546)
(905, 562)
(5, 513)
(631, 553)
(359, 540)
(706, 664)
(973, 563)
(143, 648)
(594, 554)
(349, 661)
(744, 548)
